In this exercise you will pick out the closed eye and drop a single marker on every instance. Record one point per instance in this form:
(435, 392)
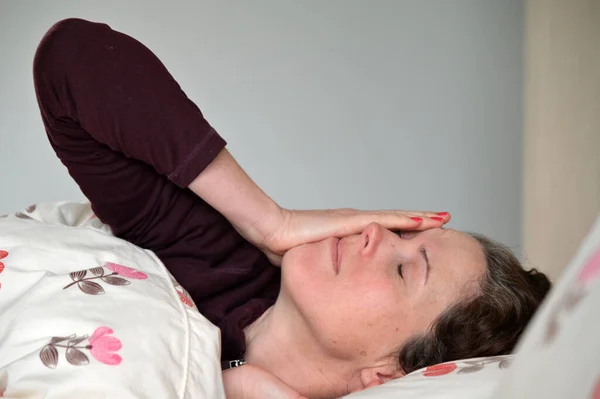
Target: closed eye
(400, 271)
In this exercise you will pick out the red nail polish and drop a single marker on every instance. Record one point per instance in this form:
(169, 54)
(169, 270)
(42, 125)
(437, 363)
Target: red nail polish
(443, 213)
(417, 219)
(436, 219)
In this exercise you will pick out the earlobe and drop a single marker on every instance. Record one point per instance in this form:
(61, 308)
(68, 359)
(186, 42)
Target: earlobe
(373, 376)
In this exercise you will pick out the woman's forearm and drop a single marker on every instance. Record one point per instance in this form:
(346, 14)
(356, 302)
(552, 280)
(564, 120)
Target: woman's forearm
(227, 188)
(274, 230)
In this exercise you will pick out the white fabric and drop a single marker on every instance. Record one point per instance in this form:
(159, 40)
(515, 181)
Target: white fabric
(168, 350)
(465, 379)
(559, 355)
(142, 337)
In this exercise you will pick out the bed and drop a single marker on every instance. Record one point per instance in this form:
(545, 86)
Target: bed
(87, 315)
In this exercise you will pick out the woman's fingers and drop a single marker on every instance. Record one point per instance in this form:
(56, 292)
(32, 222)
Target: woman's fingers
(421, 220)
(302, 227)
(354, 221)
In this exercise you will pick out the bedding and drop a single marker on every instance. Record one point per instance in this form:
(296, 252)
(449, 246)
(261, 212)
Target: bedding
(85, 314)
(465, 379)
(558, 356)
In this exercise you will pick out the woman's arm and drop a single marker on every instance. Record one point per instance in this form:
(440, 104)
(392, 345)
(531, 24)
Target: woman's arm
(250, 382)
(227, 188)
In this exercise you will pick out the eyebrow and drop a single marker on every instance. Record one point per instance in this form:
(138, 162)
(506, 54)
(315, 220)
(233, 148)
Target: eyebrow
(426, 258)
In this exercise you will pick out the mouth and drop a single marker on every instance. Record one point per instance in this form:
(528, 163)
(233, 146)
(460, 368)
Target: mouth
(336, 254)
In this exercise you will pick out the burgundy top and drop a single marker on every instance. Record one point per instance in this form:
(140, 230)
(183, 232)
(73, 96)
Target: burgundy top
(133, 141)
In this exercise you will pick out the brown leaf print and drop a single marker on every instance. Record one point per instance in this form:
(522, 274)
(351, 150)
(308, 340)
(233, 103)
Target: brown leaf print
(77, 276)
(474, 362)
(56, 340)
(90, 287)
(21, 215)
(76, 357)
(49, 356)
(31, 208)
(470, 369)
(75, 341)
(572, 299)
(551, 331)
(115, 280)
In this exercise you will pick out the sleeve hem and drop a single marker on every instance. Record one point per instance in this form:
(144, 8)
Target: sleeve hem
(198, 159)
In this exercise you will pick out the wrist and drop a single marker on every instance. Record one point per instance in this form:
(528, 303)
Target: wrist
(228, 189)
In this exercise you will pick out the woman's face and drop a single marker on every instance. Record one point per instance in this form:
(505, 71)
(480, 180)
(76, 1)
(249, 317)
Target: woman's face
(364, 295)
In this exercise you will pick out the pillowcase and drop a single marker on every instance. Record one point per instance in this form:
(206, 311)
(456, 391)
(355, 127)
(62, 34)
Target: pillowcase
(88, 315)
(558, 354)
(465, 379)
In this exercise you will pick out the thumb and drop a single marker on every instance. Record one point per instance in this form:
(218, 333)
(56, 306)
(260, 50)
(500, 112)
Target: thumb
(274, 258)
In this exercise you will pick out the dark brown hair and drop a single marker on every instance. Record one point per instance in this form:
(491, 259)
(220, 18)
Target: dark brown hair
(489, 321)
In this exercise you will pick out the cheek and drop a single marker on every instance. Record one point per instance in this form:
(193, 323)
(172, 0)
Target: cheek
(371, 321)
(300, 276)
(377, 303)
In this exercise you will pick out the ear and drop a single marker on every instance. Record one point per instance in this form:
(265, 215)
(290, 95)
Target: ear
(373, 376)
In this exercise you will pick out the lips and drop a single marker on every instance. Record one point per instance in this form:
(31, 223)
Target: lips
(336, 254)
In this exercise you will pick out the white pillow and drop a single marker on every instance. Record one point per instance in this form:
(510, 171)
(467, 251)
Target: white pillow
(559, 355)
(465, 379)
(87, 315)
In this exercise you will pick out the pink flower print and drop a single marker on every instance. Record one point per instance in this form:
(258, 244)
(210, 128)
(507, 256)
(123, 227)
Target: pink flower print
(126, 271)
(3, 254)
(596, 392)
(185, 298)
(183, 294)
(3, 383)
(439, 369)
(590, 270)
(103, 346)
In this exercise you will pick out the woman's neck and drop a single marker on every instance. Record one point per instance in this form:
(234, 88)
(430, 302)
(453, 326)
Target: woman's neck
(281, 343)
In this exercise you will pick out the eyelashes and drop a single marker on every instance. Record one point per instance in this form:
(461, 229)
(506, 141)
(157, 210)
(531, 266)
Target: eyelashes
(399, 234)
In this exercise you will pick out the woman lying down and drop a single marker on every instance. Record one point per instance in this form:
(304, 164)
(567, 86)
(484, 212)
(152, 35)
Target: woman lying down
(359, 298)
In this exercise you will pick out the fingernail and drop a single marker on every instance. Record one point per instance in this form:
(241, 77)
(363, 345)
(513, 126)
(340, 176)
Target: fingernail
(443, 213)
(417, 219)
(436, 219)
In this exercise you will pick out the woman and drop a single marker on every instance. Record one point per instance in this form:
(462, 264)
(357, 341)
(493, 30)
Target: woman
(354, 304)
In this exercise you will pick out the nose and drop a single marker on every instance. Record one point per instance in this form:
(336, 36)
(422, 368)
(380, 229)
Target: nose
(370, 239)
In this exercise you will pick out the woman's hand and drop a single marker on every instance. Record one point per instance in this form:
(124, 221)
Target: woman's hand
(250, 382)
(228, 189)
(285, 229)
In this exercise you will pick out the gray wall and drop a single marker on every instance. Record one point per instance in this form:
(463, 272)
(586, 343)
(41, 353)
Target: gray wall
(338, 103)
